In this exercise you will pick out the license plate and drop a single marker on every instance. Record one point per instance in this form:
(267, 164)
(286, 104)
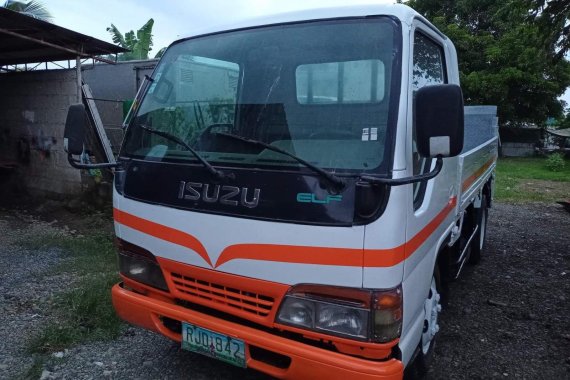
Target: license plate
(213, 344)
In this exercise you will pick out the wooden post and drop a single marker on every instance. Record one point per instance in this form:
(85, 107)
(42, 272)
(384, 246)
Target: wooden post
(79, 80)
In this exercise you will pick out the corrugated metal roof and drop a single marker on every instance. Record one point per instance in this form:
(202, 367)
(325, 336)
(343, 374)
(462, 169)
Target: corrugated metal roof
(560, 132)
(24, 39)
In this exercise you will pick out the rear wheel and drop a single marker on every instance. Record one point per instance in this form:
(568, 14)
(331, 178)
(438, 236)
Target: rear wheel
(478, 242)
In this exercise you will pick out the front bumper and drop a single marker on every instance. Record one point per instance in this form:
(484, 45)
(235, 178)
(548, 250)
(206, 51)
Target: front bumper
(306, 361)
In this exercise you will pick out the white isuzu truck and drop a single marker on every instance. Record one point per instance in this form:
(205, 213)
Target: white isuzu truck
(294, 193)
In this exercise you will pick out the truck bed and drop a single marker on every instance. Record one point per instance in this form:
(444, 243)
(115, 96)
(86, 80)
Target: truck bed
(480, 151)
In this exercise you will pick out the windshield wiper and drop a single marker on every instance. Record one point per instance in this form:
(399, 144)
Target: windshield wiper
(337, 182)
(213, 171)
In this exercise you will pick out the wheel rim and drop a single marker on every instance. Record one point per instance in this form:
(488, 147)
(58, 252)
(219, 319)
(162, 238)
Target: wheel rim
(483, 229)
(432, 309)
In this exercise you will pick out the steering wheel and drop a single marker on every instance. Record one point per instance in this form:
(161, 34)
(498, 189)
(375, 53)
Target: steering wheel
(204, 140)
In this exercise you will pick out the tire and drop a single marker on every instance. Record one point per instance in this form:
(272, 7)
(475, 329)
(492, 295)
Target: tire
(424, 353)
(478, 242)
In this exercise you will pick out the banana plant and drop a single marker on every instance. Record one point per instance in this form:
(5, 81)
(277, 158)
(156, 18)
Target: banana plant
(139, 44)
(31, 8)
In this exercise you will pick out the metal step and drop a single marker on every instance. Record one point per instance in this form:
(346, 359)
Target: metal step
(464, 256)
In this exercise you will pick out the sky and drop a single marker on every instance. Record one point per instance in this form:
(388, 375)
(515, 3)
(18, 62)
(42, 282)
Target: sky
(174, 19)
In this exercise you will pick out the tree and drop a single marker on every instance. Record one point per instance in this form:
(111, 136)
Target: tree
(139, 45)
(553, 17)
(510, 54)
(31, 8)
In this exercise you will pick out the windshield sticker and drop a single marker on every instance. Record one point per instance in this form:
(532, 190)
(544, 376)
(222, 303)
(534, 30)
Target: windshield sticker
(373, 134)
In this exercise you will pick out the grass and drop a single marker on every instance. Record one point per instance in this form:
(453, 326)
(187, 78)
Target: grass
(84, 312)
(34, 372)
(528, 179)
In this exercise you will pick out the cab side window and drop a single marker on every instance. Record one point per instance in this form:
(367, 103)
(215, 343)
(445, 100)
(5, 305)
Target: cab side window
(428, 69)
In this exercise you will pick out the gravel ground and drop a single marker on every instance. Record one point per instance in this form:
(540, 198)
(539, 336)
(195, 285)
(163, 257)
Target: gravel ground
(27, 285)
(507, 317)
(510, 315)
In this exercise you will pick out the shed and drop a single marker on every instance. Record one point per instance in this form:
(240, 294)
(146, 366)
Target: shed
(35, 96)
(520, 141)
(563, 136)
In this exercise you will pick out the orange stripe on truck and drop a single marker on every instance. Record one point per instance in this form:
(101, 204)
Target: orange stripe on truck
(473, 177)
(161, 231)
(354, 257)
(375, 257)
(292, 254)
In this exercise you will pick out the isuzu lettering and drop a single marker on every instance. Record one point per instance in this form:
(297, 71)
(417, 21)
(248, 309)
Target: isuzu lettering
(294, 193)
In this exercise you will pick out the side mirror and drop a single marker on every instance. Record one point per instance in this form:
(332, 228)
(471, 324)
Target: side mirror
(75, 126)
(438, 115)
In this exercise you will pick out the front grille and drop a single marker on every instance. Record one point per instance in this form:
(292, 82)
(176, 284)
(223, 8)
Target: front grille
(247, 301)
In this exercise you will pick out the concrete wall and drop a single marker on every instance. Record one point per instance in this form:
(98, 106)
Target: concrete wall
(33, 109)
(115, 84)
(513, 149)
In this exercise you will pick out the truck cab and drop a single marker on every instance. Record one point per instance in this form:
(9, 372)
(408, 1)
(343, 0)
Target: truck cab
(292, 192)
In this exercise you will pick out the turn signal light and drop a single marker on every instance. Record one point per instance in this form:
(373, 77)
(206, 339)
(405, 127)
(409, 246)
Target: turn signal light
(387, 307)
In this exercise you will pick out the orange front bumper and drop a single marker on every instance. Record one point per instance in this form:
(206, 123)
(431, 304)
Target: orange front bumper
(307, 362)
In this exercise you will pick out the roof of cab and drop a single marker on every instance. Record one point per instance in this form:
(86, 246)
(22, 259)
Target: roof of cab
(404, 13)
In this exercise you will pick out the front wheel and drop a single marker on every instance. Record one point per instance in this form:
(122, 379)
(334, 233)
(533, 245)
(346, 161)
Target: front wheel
(432, 309)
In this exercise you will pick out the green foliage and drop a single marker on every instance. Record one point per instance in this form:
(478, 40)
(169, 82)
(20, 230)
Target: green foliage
(531, 168)
(174, 121)
(34, 372)
(552, 17)
(85, 312)
(555, 162)
(564, 122)
(506, 55)
(528, 179)
(160, 53)
(31, 8)
(139, 44)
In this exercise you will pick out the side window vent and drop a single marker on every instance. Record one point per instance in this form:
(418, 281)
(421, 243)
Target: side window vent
(186, 75)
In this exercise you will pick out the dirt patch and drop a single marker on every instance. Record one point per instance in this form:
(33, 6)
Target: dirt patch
(510, 316)
(74, 214)
(549, 189)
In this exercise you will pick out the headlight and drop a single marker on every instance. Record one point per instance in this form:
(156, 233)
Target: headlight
(343, 320)
(297, 311)
(353, 313)
(140, 265)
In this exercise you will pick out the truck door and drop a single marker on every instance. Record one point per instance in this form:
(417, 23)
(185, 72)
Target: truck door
(431, 203)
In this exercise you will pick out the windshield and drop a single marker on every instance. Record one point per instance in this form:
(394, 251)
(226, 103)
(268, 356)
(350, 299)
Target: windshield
(320, 91)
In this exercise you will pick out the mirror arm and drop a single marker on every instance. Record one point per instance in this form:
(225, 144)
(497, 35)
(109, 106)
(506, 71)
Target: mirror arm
(77, 165)
(407, 180)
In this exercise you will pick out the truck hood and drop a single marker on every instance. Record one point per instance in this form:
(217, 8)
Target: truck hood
(286, 253)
